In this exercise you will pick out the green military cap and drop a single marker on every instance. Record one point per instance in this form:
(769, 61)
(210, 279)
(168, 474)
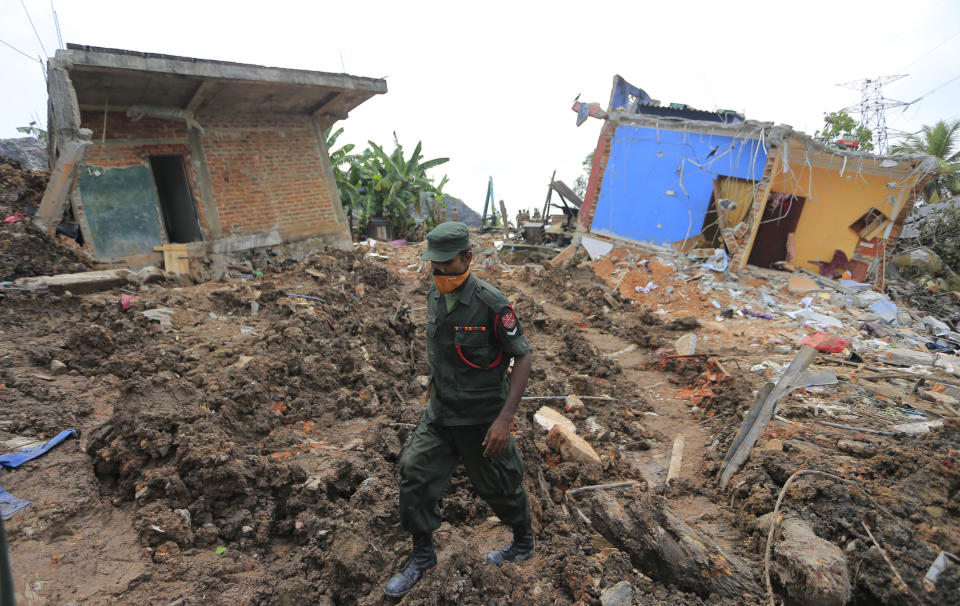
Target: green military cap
(445, 241)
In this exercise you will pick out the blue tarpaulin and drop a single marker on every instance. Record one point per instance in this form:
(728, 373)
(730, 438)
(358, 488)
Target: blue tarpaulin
(15, 459)
(10, 504)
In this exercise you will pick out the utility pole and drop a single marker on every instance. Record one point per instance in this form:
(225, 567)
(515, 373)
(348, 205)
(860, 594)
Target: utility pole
(873, 106)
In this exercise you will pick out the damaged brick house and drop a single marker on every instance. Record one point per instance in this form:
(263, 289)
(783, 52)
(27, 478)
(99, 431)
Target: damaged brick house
(673, 176)
(150, 150)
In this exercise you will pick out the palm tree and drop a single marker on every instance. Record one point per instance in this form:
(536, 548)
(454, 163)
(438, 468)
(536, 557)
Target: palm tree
(938, 141)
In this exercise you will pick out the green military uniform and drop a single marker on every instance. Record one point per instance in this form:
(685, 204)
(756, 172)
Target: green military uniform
(471, 339)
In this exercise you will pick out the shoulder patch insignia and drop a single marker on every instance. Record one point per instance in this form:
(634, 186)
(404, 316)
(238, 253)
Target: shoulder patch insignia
(509, 320)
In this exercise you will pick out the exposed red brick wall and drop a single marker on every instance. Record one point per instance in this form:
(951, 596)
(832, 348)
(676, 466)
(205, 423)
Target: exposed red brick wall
(266, 171)
(600, 157)
(131, 143)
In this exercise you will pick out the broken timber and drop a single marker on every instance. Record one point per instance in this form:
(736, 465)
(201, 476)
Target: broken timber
(665, 548)
(762, 411)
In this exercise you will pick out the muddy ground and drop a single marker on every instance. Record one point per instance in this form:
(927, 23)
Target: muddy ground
(247, 453)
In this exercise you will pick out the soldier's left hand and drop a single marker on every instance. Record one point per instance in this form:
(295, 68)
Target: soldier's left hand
(497, 436)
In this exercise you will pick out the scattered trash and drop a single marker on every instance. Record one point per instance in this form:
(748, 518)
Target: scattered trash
(125, 301)
(756, 314)
(938, 566)
(163, 315)
(646, 289)
(247, 330)
(808, 316)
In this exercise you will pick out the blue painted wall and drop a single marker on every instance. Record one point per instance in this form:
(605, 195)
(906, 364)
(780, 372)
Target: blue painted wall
(642, 194)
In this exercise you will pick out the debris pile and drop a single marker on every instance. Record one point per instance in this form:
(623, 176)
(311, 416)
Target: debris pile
(25, 250)
(239, 439)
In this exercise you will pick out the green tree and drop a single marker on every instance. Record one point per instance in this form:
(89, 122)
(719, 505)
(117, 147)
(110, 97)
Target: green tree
(839, 125)
(939, 141)
(389, 186)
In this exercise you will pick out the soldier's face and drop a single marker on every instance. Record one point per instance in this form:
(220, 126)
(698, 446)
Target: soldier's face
(454, 266)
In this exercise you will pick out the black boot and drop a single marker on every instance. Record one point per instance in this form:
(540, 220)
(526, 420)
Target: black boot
(520, 548)
(423, 558)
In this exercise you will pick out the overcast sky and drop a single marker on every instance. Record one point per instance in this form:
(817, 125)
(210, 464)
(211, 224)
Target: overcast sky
(490, 84)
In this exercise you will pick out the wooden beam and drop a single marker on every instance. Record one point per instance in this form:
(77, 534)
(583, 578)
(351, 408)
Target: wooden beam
(324, 101)
(199, 95)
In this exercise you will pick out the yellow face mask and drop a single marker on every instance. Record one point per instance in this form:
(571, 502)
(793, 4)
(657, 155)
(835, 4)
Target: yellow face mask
(446, 283)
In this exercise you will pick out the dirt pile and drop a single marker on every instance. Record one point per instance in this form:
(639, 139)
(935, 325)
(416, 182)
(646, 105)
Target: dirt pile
(24, 250)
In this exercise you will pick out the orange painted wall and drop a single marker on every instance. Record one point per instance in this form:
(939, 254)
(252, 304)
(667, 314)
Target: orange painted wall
(832, 204)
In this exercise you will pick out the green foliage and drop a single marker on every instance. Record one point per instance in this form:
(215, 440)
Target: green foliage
(34, 131)
(839, 125)
(939, 141)
(391, 186)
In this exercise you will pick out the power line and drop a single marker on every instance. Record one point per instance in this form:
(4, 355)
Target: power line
(56, 25)
(914, 62)
(7, 44)
(34, 28)
(930, 92)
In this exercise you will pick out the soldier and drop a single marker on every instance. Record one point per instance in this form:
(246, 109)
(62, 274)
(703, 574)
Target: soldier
(472, 334)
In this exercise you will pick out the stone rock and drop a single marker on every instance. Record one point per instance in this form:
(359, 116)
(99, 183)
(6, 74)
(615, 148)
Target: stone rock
(812, 571)
(774, 444)
(854, 447)
(573, 406)
(57, 367)
(547, 417)
(620, 594)
(571, 446)
(686, 345)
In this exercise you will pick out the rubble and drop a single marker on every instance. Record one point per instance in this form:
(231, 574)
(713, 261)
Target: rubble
(278, 444)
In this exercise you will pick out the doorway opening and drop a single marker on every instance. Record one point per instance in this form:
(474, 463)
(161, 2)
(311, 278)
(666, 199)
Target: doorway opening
(780, 218)
(176, 199)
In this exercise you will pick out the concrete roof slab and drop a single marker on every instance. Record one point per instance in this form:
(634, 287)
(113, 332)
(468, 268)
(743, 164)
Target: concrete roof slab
(121, 78)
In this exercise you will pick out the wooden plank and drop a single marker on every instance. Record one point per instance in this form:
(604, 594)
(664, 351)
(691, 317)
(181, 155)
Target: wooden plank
(761, 413)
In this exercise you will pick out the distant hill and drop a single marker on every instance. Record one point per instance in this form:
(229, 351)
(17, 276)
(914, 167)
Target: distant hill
(28, 151)
(467, 214)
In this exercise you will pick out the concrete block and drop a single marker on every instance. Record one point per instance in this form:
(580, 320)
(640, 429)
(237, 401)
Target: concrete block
(547, 417)
(686, 345)
(572, 447)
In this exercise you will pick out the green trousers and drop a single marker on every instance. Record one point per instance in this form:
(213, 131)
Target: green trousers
(429, 460)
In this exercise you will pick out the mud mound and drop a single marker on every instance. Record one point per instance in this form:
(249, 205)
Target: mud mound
(24, 250)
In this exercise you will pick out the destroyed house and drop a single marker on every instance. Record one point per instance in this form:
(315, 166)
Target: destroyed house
(154, 150)
(766, 194)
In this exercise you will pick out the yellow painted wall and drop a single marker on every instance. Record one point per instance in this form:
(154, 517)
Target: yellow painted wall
(832, 204)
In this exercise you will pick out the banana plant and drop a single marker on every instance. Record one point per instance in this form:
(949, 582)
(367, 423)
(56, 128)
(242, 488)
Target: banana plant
(389, 186)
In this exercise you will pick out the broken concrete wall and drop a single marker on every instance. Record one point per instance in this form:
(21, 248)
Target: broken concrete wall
(659, 181)
(838, 194)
